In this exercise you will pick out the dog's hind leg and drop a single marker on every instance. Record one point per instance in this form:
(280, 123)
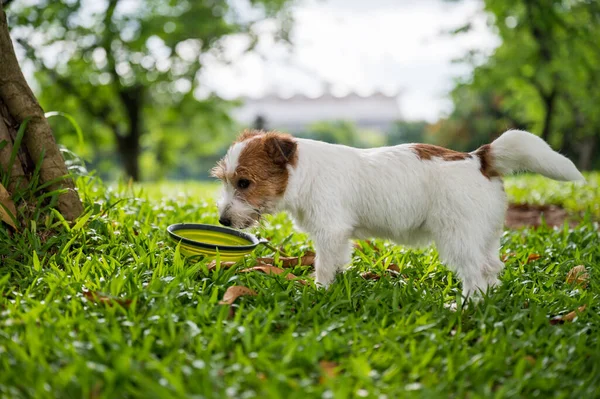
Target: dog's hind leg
(333, 254)
(468, 258)
(493, 265)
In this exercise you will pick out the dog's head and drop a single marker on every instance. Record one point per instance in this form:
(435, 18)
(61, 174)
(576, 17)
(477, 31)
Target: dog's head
(254, 173)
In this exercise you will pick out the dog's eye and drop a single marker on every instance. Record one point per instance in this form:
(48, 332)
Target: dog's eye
(243, 183)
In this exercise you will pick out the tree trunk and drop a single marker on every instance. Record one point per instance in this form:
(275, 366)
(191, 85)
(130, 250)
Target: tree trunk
(8, 133)
(537, 16)
(17, 103)
(587, 151)
(129, 145)
(549, 102)
(129, 151)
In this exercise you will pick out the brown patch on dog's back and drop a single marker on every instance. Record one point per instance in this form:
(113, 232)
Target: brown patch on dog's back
(484, 153)
(429, 151)
(264, 162)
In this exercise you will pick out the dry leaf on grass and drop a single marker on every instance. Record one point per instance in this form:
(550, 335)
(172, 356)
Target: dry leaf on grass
(368, 243)
(578, 275)
(370, 276)
(7, 209)
(234, 293)
(393, 267)
(531, 257)
(307, 260)
(569, 317)
(392, 270)
(224, 265)
(329, 368)
(268, 269)
(98, 297)
(530, 359)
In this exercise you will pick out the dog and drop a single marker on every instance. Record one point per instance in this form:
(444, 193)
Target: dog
(411, 194)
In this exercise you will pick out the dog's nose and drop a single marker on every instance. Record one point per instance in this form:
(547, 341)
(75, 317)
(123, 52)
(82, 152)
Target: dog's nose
(225, 221)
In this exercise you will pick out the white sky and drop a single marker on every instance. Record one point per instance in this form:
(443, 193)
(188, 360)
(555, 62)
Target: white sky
(360, 45)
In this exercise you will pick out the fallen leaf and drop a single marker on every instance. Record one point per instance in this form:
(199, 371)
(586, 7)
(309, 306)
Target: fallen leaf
(370, 276)
(268, 269)
(234, 293)
(7, 210)
(569, 317)
(368, 243)
(578, 275)
(533, 257)
(394, 273)
(393, 267)
(224, 265)
(530, 359)
(328, 368)
(291, 261)
(98, 297)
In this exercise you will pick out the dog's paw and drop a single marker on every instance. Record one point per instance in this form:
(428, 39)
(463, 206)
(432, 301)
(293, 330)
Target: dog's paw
(324, 282)
(324, 278)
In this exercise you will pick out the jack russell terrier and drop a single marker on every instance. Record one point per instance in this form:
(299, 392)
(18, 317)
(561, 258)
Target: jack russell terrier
(411, 194)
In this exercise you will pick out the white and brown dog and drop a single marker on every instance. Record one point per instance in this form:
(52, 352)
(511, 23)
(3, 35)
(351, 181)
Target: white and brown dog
(411, 194)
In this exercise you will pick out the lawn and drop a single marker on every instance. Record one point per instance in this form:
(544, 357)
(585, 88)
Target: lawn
(109, 308)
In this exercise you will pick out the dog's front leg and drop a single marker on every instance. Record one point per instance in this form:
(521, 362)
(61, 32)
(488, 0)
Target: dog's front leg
(333, 254)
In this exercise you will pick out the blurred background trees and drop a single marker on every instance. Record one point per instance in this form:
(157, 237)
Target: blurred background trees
(542, 77)
(127, 70)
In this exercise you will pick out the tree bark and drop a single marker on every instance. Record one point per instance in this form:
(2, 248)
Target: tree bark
(587, 151)
(129, 151)
(8, 133)
(38, 140)
(129, 145)
(537, 16)
(549, 102)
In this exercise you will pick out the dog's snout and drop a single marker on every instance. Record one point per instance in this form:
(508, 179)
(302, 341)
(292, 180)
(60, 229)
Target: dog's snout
(225, 221)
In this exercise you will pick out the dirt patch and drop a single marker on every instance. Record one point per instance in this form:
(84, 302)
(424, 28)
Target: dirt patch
(522, 215)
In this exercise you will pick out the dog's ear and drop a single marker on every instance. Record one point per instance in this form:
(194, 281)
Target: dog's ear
(281, 148)
(219, 170)
(248, 134)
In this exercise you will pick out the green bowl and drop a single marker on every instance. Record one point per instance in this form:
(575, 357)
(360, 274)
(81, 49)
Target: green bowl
(210, 240)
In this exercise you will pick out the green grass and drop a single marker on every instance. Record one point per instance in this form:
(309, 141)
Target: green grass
(394, 337)
(576, 198)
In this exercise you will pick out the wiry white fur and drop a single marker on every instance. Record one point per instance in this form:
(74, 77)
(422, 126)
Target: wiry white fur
(233, 156)
(336, 193)
(235, 208)
(517, 150)
(229, 203)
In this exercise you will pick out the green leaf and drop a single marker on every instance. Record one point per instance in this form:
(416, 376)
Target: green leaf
(36, 262)
(73, 122)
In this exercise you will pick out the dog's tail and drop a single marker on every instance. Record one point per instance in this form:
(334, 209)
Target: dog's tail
(517, 150)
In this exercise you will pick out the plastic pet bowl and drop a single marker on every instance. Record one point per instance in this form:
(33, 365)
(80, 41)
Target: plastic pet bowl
(208, 240)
